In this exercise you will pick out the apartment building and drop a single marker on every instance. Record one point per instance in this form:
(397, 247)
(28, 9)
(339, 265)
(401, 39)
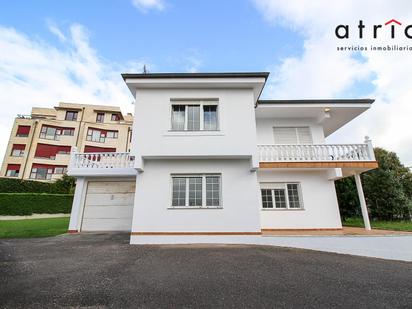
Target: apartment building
(212, 162)
(40, 143)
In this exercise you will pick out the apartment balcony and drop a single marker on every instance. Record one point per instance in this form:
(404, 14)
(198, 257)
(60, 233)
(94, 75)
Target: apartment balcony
(318, 156)
(101, 164)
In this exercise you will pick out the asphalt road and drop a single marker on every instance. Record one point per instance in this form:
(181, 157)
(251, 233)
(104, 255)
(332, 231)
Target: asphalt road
(102, 271)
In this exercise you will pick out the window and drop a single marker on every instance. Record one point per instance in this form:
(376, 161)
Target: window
(292, 135)
(23, 131)
(196, 191)
(112, 134)
(281, 196)
(178, 117)
(99, 136)
(293, 195)
(18, 150)
(195, 117)
(43, 173)
(71, 116)
(50, 151)
(210, 117)
(212, 190)
(115, 117)
(100, 118)
(13, 170)
(54, 133)
(60, 170)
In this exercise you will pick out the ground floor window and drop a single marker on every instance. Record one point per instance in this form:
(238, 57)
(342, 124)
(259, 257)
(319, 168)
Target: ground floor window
(281, 196)
(45, 172)
(202, 190)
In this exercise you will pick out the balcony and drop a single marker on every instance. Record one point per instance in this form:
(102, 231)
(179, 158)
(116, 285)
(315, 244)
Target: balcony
(101, 164)
(320, 155)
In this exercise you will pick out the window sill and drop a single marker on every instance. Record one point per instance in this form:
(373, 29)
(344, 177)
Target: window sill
(193, 133)
(282, 209)
(195, 207)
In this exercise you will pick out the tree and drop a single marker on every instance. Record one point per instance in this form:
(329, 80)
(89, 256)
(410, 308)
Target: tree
(388, 190)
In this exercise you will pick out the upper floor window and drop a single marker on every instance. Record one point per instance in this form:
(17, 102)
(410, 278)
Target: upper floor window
(281, 196)
(71, 116)
(13, 170)
(98, 135)
(195, 117)
(54, 133)
(23, 131)
(100, 117)
(50, 151)
(18, 150)
(292, 135)
(116, 117)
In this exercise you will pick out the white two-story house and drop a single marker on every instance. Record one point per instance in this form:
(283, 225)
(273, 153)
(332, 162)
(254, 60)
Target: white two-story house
(210, 162)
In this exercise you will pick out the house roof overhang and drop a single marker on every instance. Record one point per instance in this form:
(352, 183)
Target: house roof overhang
(251, 80)
(332, 114)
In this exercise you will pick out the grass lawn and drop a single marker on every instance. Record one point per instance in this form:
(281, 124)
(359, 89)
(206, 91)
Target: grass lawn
(384, 225)
(33, 227)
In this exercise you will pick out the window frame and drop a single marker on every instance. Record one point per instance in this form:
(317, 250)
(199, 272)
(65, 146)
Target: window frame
(74, 116)
(48, 175)
(98, 116)
(203, 176)
(115, 117)
(201, 104)
(9, 173)
(281, 186)
(296, 131)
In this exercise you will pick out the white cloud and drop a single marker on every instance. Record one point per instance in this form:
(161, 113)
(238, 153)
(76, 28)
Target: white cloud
(146, 5)
(35, 73)
(56, 31)
(323, 72)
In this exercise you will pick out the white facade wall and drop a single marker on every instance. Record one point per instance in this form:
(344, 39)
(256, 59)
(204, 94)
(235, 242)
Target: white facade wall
(320, 205)
(152, 135)
(239, 200)
(264, 128)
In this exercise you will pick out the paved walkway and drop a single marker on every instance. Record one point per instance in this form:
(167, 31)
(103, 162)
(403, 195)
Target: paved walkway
(391, 247)
(346, 230)
(104, 271)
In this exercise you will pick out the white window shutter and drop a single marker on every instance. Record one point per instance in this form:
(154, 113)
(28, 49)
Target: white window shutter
(292, 135)
(304, 135)
(285, 135)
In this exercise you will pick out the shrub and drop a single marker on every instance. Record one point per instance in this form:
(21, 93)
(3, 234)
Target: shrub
(20, 204)
(65, 185)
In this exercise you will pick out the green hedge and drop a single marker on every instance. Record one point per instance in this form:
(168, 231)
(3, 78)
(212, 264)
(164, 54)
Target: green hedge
(24, 204)
(65, 185)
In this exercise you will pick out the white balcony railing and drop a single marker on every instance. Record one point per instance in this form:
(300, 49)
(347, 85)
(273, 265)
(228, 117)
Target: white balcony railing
(319, 152)
(101, 160)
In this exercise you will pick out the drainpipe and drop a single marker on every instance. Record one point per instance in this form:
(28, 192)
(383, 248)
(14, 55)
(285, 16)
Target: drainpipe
(80, 127)
(30, 147)
(362, 202)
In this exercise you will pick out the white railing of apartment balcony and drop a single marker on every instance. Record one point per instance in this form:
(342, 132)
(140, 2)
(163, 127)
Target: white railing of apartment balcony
(101, 160)
(317, 152)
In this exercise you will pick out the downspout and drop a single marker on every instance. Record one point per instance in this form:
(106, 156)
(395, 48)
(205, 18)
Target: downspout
(80, 127)
(30, 147)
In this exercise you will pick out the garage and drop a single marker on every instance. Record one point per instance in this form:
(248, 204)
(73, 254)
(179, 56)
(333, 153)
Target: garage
(108, 206)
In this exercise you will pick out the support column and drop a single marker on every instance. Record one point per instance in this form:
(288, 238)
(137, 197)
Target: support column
(362, 202)
(75, 216)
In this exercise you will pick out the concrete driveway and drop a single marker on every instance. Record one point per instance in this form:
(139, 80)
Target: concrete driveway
(97, 270)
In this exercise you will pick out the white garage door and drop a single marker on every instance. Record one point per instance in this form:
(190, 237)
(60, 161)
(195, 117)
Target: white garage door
(108, 206)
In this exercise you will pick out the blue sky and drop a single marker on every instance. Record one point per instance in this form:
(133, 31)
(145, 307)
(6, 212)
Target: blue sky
(222, 35)
(75, 51)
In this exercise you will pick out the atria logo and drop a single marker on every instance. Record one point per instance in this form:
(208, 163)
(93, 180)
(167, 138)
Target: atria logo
(393, 25)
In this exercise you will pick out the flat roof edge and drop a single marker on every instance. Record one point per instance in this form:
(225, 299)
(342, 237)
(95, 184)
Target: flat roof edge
(265, 75)
(317, 101)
